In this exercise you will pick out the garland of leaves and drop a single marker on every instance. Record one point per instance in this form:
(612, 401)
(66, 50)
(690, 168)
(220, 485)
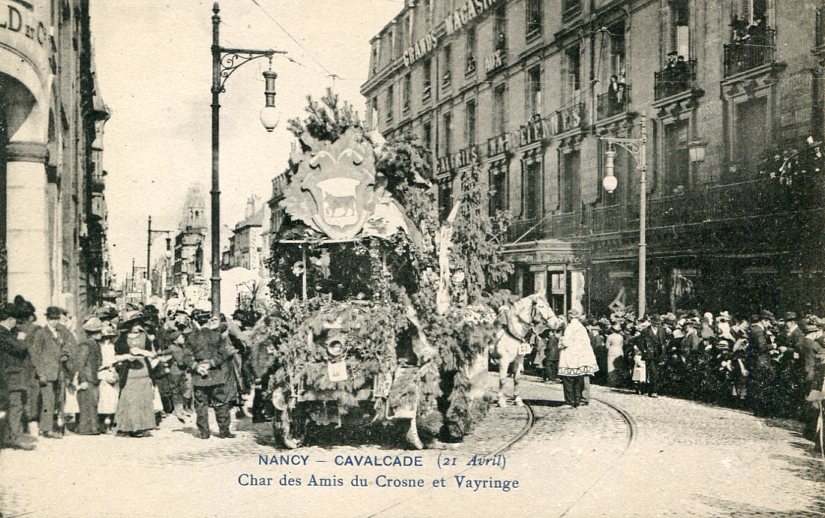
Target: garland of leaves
(369, 330)
(476, 237)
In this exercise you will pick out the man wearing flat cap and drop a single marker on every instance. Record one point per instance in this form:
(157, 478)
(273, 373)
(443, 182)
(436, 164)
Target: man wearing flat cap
(14, 382)
(51, 350)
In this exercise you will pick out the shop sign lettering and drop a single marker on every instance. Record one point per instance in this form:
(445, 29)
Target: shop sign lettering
(18, 19)
(420, 49)
(493, 61)
(466, 13)
(458, 160)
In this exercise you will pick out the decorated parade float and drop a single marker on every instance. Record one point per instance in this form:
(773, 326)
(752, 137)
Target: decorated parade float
(379, 321)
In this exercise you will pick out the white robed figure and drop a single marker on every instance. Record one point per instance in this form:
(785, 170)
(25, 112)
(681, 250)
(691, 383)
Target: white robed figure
(576, 358)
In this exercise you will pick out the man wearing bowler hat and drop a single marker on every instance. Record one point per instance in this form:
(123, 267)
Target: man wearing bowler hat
(51, 354)
(652, 344)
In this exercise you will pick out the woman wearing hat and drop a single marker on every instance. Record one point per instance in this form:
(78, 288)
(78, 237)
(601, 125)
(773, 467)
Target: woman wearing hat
(135, 409)
(109, 387)
(615, 355)
(88, 364)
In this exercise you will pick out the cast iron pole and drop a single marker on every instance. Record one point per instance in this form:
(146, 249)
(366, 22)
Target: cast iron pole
(641, 163)
(148, 246)
(215, 192)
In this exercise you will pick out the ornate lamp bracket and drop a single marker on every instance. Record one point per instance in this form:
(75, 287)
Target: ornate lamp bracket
(631, 145)
(233, 59)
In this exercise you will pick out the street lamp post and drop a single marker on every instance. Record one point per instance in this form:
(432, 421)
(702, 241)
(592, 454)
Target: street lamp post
(637, 148)
(224, 62)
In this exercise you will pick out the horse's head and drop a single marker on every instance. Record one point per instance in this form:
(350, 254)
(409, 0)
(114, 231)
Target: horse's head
(542, 313)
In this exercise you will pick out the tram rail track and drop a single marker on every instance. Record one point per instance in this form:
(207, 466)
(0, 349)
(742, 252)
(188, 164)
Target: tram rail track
(631, 434)
(630, 437)
(531, 421)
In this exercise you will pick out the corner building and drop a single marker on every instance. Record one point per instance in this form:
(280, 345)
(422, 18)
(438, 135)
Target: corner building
(53, 215)
(524, 86)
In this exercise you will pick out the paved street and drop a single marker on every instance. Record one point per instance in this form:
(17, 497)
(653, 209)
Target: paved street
(623, 455)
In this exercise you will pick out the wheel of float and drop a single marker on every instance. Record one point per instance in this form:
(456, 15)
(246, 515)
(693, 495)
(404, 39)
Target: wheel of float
(413, 439)
(412, 435)
(290, 428)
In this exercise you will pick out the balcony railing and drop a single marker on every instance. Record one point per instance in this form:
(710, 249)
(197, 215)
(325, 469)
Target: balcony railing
(674, 79)
(759, 198)
(759, 49)
(607, 219)
(614, 102)
(570, 117)
(518, 229)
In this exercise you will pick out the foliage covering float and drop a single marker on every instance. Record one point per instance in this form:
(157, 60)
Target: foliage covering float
(369, 329)
(477, 240)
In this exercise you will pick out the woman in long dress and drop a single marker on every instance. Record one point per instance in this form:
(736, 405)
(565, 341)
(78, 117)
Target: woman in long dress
(615, 356)
(109, 381)
(135, 414)
(576, 359)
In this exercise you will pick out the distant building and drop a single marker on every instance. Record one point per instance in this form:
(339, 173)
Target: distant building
(187, 268)
(276, 212)
(248, 243)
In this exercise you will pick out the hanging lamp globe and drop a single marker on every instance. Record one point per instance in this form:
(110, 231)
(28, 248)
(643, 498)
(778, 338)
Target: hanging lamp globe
(269, 114)
(610, 183)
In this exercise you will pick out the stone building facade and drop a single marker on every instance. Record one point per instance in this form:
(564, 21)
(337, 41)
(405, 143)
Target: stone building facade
(53, 216)
(188, 263)
(528, 88)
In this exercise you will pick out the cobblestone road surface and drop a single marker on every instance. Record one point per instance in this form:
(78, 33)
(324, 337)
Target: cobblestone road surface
(623, 455)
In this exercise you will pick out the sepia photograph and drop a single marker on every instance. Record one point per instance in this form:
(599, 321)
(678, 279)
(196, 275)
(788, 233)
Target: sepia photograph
(412, 258)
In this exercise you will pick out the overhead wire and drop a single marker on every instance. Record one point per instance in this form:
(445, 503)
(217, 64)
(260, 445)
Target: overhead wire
(293, 38)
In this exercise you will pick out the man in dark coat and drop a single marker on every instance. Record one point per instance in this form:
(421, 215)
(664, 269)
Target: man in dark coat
(652, 345)
(51, 350)
(26, 328)
(89, 361)
(14, 382)
(209, 380)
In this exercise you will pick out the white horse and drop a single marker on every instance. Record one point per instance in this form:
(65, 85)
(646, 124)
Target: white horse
(521, 322)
